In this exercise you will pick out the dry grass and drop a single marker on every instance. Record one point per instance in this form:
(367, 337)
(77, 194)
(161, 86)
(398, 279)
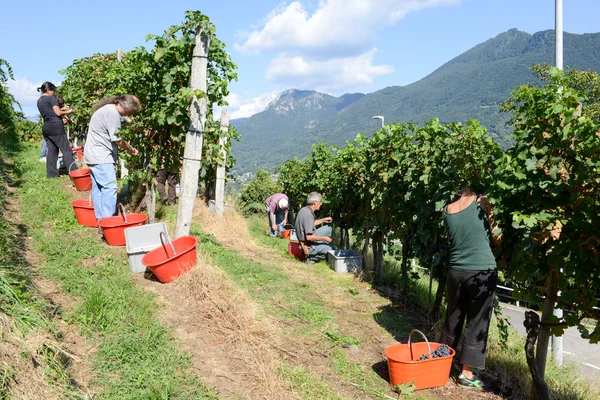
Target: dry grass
(230, 230)
(25, 365)
(230, 316)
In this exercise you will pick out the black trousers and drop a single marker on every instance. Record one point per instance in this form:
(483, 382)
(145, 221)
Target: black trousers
(470, 297)
(162, 177)
(56, 139)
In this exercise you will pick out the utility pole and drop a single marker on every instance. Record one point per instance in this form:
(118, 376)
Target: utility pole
(192, 155)
(220, 189)
(557, 341)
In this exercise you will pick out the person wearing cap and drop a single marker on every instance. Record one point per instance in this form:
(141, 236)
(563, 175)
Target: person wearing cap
(277, 211)
(315, 242)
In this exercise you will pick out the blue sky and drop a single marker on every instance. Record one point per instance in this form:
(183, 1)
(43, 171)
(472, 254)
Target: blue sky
(333, 46)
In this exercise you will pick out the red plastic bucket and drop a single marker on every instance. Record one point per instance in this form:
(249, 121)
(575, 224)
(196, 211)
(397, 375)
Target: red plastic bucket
(84, 212)
(81, 179)
(79, 152)
(404, 365)
(113, 228)
(167, 263)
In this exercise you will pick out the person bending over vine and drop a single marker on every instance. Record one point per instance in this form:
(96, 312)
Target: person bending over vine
(101, 146)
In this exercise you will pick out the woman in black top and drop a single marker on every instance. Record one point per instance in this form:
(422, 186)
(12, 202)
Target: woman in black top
(54, 130)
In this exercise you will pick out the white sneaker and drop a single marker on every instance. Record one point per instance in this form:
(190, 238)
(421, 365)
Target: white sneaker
(42, 159)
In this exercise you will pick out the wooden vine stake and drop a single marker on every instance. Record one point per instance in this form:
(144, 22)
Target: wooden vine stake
(220, 189)
(192, 154)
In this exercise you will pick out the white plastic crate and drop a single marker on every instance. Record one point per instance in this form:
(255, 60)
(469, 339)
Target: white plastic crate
(141, 239)
(344, 260)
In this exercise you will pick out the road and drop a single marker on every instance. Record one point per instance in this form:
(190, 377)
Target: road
(578, 352)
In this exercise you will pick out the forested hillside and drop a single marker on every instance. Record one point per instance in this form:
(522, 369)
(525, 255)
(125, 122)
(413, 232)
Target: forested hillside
(470, 86)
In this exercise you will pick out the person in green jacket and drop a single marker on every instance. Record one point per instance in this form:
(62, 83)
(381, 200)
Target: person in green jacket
(471, 281)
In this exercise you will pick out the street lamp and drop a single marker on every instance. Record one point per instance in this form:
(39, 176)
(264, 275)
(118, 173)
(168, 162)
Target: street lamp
(379, 117)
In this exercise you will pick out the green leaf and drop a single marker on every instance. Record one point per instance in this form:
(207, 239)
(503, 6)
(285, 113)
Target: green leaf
(405, 389)
(519, 175)
(159, 53)
(558, 109)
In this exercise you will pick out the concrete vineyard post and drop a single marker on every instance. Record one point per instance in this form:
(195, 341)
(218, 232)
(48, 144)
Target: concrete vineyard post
(220, 189)
(192, 154)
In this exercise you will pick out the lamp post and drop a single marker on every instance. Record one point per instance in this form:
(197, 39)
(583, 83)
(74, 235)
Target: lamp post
(379, 117)
(557, 341)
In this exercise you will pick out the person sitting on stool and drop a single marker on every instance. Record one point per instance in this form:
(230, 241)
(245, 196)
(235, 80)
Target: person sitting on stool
(315, 242)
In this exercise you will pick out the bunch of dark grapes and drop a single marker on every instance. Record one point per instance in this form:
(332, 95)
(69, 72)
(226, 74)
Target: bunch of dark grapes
(442, 351)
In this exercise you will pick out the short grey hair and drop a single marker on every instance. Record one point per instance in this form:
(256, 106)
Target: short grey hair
(314, 197)
(127, 101)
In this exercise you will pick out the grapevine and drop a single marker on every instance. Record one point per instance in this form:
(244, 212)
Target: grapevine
(160, 79)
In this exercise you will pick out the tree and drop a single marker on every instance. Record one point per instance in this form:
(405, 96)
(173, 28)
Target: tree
(7, 112)
(585, 82)
(255, 193)
(547, 199)
(294, 178)
(160, 79)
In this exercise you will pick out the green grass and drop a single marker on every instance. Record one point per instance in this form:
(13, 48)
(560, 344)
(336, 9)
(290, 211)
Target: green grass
(506, 364)
(274, 289)
(136, 357)
(307, 384)
(26, 312)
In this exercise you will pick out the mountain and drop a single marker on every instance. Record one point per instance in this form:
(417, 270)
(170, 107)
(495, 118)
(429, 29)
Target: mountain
(470, 86)
(290, 115)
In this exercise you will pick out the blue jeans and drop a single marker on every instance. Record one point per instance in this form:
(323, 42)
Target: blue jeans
(318, 250)
(44, 148)
(279, 216)
(104, 189)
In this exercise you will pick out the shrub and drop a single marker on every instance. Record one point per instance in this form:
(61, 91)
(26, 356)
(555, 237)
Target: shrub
(255, 192)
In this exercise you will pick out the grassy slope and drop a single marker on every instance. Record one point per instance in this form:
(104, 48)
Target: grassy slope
(34, 361)
(506, 365)
(136, 357)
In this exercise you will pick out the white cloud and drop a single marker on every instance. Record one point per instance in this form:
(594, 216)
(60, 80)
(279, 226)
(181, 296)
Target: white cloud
(25, 92)
(338, 27)
(330, 48)
(328, 75)
(240, 107)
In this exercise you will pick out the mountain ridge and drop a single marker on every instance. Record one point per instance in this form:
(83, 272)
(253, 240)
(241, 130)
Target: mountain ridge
(472, 85)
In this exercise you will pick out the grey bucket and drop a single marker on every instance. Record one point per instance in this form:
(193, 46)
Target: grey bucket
(141, 239)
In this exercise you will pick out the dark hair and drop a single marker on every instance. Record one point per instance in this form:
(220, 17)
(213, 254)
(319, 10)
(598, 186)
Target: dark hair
(60, 100)
(463, 191)
(46, 86)
(127, 101)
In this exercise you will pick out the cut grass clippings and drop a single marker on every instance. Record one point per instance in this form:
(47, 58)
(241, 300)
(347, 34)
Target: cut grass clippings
(296, 301)
(136, 357)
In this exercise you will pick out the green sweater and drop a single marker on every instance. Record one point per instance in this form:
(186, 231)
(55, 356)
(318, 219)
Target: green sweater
(469, 232)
